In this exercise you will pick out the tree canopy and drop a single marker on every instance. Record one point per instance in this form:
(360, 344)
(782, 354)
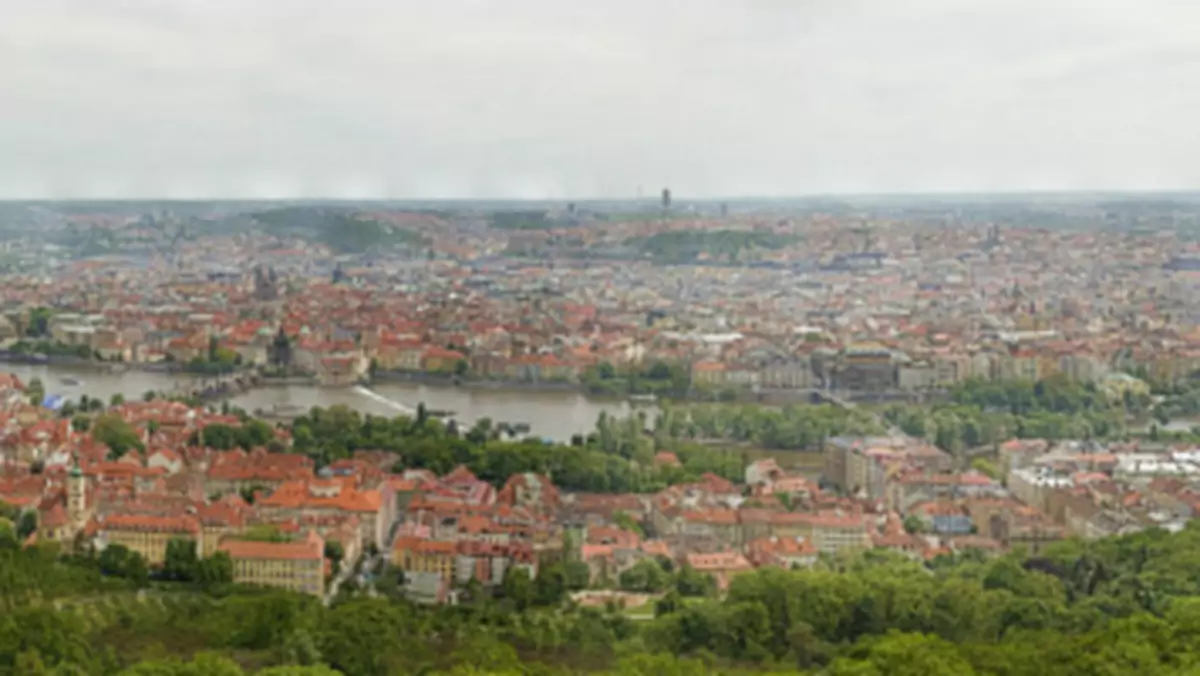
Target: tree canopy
(1124, 605)
(118, 435)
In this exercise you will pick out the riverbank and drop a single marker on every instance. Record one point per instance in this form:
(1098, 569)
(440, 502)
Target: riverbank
(443, 381)
(468, 383)
(553, 414)
(9, 357)
(87, 363)
(739, 396)
(280, 381)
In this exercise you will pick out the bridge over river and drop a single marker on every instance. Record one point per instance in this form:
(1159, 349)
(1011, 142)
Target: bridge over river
(216, 386)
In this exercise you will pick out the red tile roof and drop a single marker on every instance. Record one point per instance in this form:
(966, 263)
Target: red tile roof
(310, 495)
(312, 549)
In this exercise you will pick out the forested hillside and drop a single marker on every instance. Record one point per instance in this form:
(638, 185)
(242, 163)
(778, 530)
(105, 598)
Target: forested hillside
(1125, 605)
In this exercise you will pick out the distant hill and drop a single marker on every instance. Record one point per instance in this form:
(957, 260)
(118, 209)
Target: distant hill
(343, 230)
(681, 246)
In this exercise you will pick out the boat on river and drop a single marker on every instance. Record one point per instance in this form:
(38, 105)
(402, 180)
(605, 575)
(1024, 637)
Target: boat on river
(71, 382)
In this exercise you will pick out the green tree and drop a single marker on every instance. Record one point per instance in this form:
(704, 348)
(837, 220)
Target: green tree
(668, 603)
(29, 663)
(219, 436)
(118, 435)
(913, 524)
(293, 670)
(985, 467)
(906, 655)
(335, 553)
(56, 638)
(27, 524)
(119, 561)
(518, 587)
(179, 561)
(213, 570)
(300, 647)
(204, 664)
(576, 575)
(691, 582)
(359, 637)
(645, 576)
(8, 536)
(35, 391)
(550, 586)
(625, 522)
(39, 322)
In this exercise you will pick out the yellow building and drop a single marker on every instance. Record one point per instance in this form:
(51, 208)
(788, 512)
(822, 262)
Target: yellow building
(147, 535)
(1082, 367)
(1115, 385)
(414, 555)
(828, 532)
(1169, 367)
(440, 359)
(1025, 365)
(1048, 364)
(708, 373)
(295, 566)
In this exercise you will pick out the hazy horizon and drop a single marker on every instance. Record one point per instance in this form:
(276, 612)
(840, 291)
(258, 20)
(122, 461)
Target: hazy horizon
(650, 200)
(550, 101)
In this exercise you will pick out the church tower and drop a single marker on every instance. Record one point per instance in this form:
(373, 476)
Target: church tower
(77, 510)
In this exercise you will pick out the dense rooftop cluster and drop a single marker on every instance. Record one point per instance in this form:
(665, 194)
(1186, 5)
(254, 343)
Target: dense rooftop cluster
(930, 306)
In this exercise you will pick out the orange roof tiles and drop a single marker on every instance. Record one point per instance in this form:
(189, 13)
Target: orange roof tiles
(419, 546)
(721, 517)
(54, 517)
(312, 548)
(300, 494)
(460, 475)
(721, 561)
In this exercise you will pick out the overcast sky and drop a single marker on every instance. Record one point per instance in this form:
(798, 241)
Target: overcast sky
(578, 98)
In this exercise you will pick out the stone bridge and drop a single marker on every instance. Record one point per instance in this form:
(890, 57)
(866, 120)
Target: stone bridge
(217, 386)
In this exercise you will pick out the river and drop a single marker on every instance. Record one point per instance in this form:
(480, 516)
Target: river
(553, 415)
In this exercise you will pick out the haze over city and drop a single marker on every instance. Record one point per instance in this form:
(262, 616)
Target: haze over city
(567, 100)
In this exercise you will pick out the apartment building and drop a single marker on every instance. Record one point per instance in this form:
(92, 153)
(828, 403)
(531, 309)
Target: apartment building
(330, 497)
(415, 555)
(866, 367)
(787, 374)
(829, 532)
(235, 471)
(295, 566)
(147, 535)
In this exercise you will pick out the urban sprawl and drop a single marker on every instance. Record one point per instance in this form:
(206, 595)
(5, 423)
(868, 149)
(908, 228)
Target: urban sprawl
(931, 378)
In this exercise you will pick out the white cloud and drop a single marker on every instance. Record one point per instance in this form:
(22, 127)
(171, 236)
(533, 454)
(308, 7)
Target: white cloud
(545, 98)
